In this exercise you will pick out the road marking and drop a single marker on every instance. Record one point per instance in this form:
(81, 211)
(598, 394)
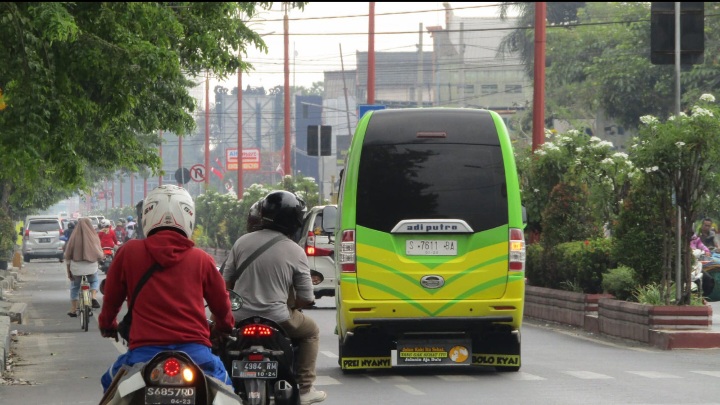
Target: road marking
(389, 378)
(330, 354)
(456, 378)
(710, 373)
(326, 380)
(522, 376)
(588, 375)
(653, 374)
(409, 389)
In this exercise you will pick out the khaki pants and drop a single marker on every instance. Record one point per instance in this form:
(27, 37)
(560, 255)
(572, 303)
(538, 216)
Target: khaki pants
(306, 333)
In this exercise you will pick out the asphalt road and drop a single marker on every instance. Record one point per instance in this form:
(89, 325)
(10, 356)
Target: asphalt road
(55, 362)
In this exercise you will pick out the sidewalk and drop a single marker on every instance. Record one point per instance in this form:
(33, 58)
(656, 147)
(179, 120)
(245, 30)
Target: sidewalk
(10, 312)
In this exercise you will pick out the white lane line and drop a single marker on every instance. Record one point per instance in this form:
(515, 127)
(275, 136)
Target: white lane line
(326, 380)
(330, 354)
(456, 378)
(522, 376)
(588, 375)
(388, 378)
(409, 389)
(710, 373)
(653, 374)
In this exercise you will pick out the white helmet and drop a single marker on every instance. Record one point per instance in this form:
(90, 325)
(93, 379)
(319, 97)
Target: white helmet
(168, 206)
(105, 223)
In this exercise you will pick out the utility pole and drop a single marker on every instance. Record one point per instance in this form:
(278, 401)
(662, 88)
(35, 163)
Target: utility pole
(207, 129)
(538, 134)
(286, 149)
(371, 55)
(678, 230)
(239, 138)
(420, 67)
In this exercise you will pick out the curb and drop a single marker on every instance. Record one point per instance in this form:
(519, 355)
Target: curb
(10, 312)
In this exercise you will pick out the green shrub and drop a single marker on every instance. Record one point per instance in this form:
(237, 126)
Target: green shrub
(534, 265)
(577, 265)
(620, 282)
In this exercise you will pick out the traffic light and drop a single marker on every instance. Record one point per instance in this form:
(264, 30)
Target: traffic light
(322, 146)
(662, 33)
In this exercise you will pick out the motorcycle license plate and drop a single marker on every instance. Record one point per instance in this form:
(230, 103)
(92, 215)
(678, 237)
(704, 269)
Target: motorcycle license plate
(254, 369)
(170, 395)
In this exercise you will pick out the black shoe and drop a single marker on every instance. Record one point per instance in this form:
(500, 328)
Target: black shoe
(95, 303)
(72, 314)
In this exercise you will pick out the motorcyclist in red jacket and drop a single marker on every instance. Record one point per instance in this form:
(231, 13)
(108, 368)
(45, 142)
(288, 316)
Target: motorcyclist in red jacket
(170, 309)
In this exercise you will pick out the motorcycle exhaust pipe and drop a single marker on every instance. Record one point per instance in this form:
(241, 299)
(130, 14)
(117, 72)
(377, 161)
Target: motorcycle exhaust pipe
(283, 391)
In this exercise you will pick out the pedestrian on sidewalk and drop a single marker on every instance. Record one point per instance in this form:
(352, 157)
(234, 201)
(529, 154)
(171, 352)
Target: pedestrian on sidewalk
(82, 254)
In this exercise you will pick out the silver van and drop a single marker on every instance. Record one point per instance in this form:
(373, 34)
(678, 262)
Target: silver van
(41, 238)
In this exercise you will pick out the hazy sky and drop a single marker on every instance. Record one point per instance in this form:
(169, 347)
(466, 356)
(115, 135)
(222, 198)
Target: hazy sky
(317, 32)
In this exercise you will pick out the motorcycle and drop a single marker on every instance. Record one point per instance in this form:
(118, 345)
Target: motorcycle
(259, 357)
(701, 280)
(170, 377)
(107, 261)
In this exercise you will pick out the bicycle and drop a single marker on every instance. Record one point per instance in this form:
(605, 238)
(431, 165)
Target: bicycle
(84, 303)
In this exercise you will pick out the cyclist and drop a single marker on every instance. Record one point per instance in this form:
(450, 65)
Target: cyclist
(170, 311)
(266, 283)
(83, 252)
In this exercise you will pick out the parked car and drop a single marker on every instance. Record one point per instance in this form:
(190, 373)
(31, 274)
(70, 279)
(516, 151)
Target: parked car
(41, 238)
(317, 238)
(96, 220)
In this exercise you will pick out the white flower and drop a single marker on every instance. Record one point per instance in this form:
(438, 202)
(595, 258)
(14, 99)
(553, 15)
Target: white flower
(535, 190)
(573, 132)
(550, 146)
(607, 161)
(701, 112)
(578, 150)
(707, 97)
(651, 169)
(620, 155)
(564, 140)
(540, 152)
(649, 120)
(594, 139)
(578, 162)
(680, 144)
(603, 144)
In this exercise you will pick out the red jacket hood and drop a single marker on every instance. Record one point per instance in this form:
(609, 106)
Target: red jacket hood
(168, 247)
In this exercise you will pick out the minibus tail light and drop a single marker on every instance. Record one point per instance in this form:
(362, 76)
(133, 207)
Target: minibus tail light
(516, 254)
(347, 251)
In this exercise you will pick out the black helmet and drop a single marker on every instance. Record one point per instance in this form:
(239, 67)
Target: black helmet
(282, 211)
(71, 225)
(254, 219)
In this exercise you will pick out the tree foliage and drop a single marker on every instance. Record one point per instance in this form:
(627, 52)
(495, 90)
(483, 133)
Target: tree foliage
(88, 85)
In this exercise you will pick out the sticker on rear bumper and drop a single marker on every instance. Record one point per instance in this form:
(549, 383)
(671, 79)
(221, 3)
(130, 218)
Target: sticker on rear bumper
(496, 360)
(349, 363)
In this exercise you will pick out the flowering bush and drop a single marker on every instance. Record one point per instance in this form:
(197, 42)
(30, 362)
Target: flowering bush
(679, 156)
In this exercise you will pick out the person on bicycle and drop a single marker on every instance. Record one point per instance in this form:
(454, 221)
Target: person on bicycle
(82, 254)
(169, 312)
(265, 285)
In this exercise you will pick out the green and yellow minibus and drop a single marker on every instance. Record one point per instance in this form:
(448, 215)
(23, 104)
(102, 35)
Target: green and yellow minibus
(430, 253)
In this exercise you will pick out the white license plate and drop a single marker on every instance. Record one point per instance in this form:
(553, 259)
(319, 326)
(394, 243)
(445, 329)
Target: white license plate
(431, 247)
(44, 240)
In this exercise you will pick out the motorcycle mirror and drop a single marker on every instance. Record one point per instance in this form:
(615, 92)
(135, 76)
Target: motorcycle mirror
(236, 301)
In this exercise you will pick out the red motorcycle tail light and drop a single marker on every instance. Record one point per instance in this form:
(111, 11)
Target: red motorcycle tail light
(171, 367)
(257, 330)
(255, 357)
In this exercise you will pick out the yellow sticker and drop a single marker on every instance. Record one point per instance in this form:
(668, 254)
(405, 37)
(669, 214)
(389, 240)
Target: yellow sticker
(496, 360)
(349, 363)
(458, 354)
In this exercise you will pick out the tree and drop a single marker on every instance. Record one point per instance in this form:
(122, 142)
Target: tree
(88, 85)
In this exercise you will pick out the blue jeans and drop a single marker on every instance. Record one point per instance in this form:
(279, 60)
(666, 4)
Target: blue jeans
(75, 287)
(200, 354)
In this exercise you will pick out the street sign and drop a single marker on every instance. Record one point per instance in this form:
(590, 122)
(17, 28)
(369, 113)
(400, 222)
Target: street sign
(182, 175)
(197, 173)
(363, 108)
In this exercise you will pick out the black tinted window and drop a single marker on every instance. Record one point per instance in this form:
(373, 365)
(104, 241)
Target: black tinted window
(44, 226)
(459, 176)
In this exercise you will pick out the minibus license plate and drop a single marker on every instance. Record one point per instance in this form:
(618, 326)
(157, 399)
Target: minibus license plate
(431, 247)
(254, 369)
(170, 395)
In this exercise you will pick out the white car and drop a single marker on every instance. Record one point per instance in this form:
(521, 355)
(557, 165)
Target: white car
(317, 238)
